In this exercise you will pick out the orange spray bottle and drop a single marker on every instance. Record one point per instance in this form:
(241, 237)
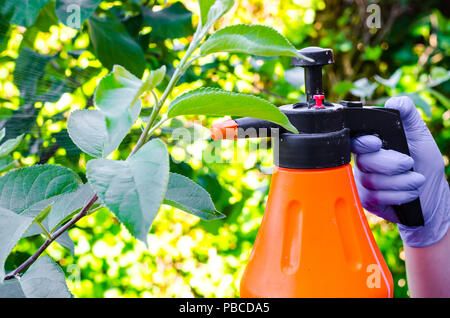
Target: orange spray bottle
(314, 239)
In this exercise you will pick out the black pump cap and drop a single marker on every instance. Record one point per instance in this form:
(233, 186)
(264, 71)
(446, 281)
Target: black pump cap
(313, 70)
(319, 55)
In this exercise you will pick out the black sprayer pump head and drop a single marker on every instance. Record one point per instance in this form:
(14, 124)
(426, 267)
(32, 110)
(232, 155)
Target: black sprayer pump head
(313, 70)
(326, 129)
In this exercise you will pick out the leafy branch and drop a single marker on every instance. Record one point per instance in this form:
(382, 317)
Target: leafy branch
(134, 189)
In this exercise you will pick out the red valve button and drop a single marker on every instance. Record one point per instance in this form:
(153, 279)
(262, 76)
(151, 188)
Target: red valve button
(319, 99)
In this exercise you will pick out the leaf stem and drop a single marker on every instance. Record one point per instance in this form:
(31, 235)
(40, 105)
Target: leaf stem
(49, 236)
(55, 235)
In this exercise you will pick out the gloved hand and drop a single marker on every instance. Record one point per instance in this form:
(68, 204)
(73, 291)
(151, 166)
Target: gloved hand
(383, 178)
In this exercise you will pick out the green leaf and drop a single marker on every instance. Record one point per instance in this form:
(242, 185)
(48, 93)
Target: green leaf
(87, 129)
(186, 195)
(113, 45)
(7, 163)
(65, 241)
(217, 102)
(73, 12)
(43, 214)
(170, 23)
(11, 289)
(117, 97)
(2, 134)
(204, 9)
(8, 146)
(133, 189)
(66, 205)
(100, 132)
(154, 78)
(213, 10)
(44, 279)
(22, 188)
(24, 11)
(12, 227)
(251, 39)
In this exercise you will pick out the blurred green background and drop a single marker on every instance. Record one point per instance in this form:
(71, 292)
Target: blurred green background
(48, 69)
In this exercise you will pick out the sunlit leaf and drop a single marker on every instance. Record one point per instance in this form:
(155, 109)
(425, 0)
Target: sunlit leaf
(217, 102)
(22, 188)
(133, 189)
(251, 39)
(188, 196)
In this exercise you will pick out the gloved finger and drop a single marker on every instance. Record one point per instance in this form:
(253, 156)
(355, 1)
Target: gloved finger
(388, 197)
(366, 144)
(388, 162)
(401, 182)
(410, 116)
(384, 211)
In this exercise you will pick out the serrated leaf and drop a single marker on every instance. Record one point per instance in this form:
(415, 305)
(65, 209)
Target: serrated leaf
(188, 196)
(22, 188)
(67, 9)
(8, 146)
(44, 279)
(113, 45)
(217, 102)
(251, 39)
(133, 189)
(172, 22)
(12, 227)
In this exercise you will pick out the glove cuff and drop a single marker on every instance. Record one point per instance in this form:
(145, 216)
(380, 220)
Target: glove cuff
(435, 227)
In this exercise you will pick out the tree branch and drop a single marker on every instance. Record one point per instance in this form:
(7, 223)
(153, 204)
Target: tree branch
(55, 235)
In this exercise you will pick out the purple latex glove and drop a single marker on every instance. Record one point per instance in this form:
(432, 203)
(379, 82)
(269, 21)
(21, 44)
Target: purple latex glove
(383, 178)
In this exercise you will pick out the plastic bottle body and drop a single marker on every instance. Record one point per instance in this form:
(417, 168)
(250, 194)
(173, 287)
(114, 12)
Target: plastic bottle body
(314, 240)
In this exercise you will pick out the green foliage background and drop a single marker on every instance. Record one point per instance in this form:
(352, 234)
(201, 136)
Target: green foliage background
(49, 69)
